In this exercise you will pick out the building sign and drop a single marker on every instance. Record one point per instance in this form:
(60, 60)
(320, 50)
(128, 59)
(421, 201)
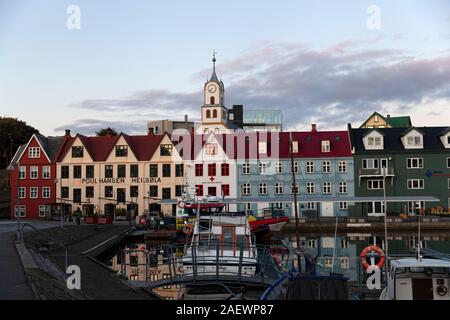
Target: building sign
(120, 180)
(436, 173)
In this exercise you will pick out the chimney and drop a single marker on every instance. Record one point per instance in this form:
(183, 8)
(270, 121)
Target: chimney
(388, 116)
(150, 131)
(67, 132)
(186, 121)
(313, 127)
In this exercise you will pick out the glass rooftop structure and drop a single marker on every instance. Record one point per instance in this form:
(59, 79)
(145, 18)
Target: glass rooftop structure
(267, 117)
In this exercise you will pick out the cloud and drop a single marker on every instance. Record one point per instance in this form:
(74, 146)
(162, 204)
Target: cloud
(336, 85)
(90, 126)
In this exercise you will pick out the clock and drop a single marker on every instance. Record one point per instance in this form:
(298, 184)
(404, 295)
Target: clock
(212, 88)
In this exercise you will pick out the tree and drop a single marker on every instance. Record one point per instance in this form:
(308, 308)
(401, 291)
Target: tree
(106, 131)
(13, 133)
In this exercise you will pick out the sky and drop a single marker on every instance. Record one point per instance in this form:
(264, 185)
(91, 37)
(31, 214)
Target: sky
(330, 63)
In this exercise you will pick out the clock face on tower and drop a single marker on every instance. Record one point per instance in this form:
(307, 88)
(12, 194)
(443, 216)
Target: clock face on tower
(212, 88)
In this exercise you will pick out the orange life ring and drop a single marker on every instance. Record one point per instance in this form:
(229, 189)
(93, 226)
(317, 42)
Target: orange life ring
(188, 229)
(371, 250)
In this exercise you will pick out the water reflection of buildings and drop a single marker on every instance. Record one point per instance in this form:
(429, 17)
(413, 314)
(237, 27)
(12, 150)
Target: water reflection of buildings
(139, 262)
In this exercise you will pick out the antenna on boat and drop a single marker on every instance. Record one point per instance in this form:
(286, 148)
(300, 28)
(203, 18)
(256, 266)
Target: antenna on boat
(294, 185)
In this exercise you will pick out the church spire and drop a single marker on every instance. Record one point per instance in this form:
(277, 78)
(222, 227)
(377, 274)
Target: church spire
(214, 75)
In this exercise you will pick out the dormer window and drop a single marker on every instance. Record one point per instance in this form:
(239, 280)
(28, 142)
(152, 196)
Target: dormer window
(326, 146)
(77, 152)
(166, 150)
(374, 141)
(211, 149)
(34, 152)
(121, 151)
(414, 140)
(375, 118)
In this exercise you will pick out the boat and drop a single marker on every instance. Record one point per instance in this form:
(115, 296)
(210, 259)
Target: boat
(417, 279)
(271, 221)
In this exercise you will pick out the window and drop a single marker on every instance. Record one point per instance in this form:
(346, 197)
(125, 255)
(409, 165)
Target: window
(166, 193)
(345, 263)
(65, 172)
(375, 184)
(246, 168)
(326, 146)
(414, 163)
(415, 183)
(108, 171)
(343, 206)
(76, 195)
(134, 170)
(310, 188)
(370, 163)
(374, 141)
(46, 172)
(211, 149)
(279, 188)
(21, 210)
(344, 243)
(414, 140)
(263, 188)
(448, 162)
(212, 191)
(262, 168)
(153, 170)
(295, 167)
(199, 170)
(342, 166)
(225, 169)
(294, 189)
(166, 168)
(153, 191)
(199, 189)
(34, 152)
(231, 116)
(77, 152)
(134, 191)
(226, 189)
(212, 169)
(342, 187)
(179, 170)
(121, 151)
(326, 167)
(165, 150)
(311, 206)
(64, 192)
(33, 192)
(246, 189)
(309, 167)
(262, 147)
(46, 192)
(294, 146)
(89, 192)
(22, 192)
(109, 192)
(326, 187)
(375, 118)
(121, 171)
(43, 210)
(22, 172)
(278, 167)
(449, 183)
(34, 172)
(77, 172)
(375, 208)
(208, 112)
(214, 112)
(89, 171)
(178, 190)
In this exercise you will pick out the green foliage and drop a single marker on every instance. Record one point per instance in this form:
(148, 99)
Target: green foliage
(20, 133)
(106, 131)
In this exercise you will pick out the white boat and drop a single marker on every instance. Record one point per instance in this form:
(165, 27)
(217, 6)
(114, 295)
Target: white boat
(417, 279)
(221, 242)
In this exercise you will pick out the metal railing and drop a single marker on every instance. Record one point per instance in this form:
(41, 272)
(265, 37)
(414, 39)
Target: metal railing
(376, 172)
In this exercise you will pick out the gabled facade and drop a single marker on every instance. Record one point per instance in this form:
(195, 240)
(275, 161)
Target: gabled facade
(377, 120)
(32, 177)
(417, 164)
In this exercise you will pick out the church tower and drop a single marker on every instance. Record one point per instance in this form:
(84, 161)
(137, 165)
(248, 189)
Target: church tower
(214, 113)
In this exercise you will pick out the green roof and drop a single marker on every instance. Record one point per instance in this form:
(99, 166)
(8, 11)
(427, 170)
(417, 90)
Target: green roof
(399, 122)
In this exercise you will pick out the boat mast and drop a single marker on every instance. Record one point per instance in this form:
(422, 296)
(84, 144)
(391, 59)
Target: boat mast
(297, 236)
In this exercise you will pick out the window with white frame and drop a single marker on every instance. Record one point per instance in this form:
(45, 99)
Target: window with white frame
(326, 167)
(45, 192)
(294, 189)
(370, 163)
(345, 263)
(326, 187)
(375, 184)
(415, 183)
(33, 192)
(246, 189)
(448, 162)
(343, 205)
(309, 167)
(414, 140)
(263, 188)
(295, 167)
(344, 243)
(46, 172)
(310, 188)
(22, 192)
(449, 183)
(278, 167)
(44, 209)
(311, 206)
(23, 172)
(312, 243)
(211, 149)
(262, 147)
(327, 262)
(294, 146)
(414, 163)
(246, 168)
(34, 152)
(34, 172)
(278, 205)
(342, 166)
(375, 208)
(343, 187)
(374, 141)
(326, 146)
(262, 168)
(20, 210)
(279, 188)
(247, 206)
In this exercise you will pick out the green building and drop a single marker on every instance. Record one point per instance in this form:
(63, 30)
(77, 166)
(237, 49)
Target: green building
(417, 162)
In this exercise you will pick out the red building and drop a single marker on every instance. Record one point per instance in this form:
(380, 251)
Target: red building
(35, 184)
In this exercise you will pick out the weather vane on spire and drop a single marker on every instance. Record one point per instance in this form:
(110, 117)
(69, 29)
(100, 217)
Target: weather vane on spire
(214, 60)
